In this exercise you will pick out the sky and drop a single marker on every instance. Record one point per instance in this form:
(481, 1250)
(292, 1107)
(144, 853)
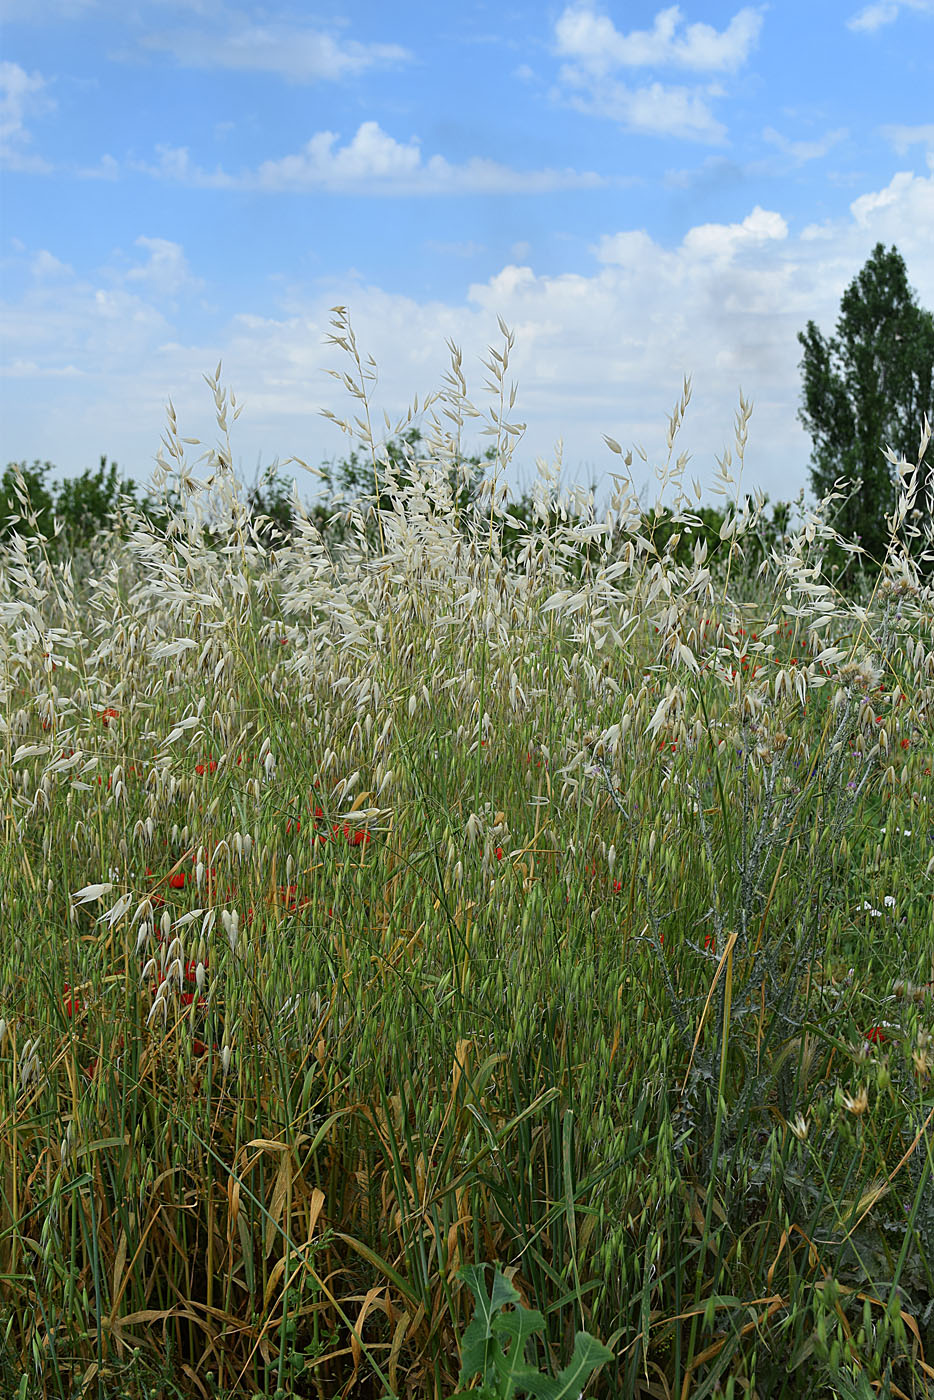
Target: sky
(640, 192)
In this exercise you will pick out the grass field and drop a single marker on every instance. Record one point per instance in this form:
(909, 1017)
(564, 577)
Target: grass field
(369, 913)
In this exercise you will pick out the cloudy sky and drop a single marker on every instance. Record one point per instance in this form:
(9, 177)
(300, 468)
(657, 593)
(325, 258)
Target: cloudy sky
(640, 192)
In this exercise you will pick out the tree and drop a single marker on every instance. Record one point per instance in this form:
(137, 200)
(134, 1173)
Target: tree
(866, 389)
(86, 505)
(24, 493)
(353, 480)
(269, 502)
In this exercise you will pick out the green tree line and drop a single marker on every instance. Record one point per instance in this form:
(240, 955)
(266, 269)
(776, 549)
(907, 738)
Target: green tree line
(73, 513)
(866, 389)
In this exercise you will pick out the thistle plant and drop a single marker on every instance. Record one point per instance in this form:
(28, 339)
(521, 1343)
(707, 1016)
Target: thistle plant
(494, 1346)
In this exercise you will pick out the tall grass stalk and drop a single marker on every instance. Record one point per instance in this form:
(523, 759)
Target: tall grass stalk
(390, 903)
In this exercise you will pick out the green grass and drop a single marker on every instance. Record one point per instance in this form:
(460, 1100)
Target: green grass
(482, 954)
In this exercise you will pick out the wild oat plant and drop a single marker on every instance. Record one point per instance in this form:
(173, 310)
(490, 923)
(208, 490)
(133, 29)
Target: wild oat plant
(379, 909)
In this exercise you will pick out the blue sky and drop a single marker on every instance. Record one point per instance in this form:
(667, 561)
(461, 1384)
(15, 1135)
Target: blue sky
(640, 191)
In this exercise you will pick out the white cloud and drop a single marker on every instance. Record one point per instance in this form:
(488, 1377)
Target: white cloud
(903, 137)
(874, 16)
(596, 48)
(595, 42)
(896, 212)
(372, 163)
(724, 241)
(655, 110)
(802, 151)
(297, 53)
(46, 266)
(22, 94)
(106, 169)
(597, 352)
(166, 273)
(174, 164)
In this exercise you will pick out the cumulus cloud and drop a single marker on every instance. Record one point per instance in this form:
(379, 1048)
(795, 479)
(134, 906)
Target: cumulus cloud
(22, 95)
(906, 204)
(595, 48)
(595, 42)
(599, 351)
(372, 163)
(297, 53)
(874, 16)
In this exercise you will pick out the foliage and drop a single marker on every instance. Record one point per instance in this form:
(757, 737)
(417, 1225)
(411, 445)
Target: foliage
(367, 489)
(270, 508)
(75, 513)
(355, 479)
(87, 505)
(494, 1345)
(25, 495)
(865, 389)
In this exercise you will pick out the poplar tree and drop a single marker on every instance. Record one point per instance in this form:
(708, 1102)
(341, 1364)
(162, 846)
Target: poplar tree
(865, 389)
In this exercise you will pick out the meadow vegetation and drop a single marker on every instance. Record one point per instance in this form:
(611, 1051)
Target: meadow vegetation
(382, 906)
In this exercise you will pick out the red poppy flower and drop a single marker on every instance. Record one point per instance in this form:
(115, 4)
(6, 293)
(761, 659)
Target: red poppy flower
(177, 881)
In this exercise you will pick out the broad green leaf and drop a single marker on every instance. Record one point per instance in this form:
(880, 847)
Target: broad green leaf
(569, 1383)
(521, 1325)
(503, 1291)
(477, 1344)
(511, 1367)
(478, 1350)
